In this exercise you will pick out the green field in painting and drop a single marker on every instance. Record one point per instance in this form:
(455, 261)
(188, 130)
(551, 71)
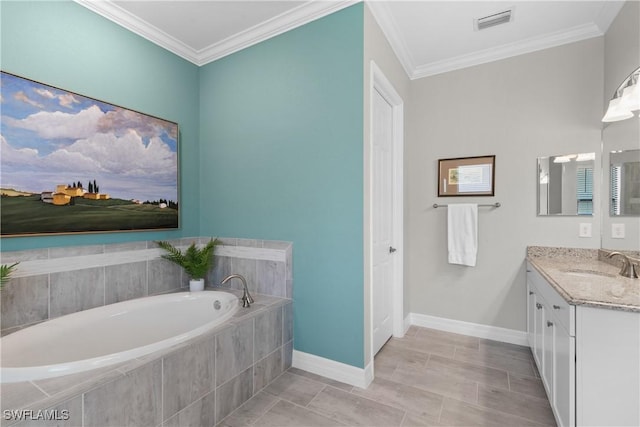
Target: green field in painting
(29, 215)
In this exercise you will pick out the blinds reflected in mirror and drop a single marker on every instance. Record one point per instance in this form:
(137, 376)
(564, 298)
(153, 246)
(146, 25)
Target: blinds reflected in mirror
(584, 190)
(615, 189)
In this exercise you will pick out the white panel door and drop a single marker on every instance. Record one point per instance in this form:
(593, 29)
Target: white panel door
(382, 220)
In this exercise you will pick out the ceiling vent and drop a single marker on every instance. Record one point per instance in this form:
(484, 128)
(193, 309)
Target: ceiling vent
(493, 20)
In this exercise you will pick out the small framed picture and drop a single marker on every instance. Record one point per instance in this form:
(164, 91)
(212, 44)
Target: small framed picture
(466, 176)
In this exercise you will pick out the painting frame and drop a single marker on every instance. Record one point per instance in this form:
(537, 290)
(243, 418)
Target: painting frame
(74, 164)
(467, 176)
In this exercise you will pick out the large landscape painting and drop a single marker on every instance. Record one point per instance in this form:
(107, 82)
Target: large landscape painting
(72, 164)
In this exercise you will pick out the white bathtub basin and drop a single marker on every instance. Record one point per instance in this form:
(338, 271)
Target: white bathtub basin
(111, 334)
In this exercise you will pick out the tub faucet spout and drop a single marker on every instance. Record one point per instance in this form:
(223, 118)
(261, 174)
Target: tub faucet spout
(247, 300)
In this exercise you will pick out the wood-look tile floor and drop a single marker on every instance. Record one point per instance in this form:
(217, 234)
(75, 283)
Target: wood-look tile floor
(427, 378)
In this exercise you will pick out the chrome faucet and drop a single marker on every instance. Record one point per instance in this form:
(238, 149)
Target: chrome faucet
(247, 300)
(628, 268)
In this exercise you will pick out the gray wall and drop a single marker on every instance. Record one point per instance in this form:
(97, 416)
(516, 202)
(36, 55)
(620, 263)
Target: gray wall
(376, 48)
(621, 57)
(539, 104)
(555, 191)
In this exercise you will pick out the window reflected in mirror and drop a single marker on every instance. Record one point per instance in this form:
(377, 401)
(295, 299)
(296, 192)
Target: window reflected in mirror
(565, 184)
(624, 182)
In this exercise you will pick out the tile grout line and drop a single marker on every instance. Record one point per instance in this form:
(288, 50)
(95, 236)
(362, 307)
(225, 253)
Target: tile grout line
(316, 395)
(486, 408)
(41, 389)
(277, 400)
(162, 391)
(370, 399)
(48, 296)
(484, 365)
(82, 409)
(317, 412)
(441, 409)
(393, 405)
(404, 417)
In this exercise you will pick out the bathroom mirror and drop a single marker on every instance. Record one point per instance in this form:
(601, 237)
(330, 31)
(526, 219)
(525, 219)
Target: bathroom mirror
(621, 155)
(624, 182)
(565, 184)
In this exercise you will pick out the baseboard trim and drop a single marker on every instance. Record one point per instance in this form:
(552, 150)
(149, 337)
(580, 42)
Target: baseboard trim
(466, 328)
(407, 323)
(358, 377)
(362, 377)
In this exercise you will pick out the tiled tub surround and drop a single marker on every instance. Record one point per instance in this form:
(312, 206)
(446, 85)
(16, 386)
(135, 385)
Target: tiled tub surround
(198, 382)
(56, 281)
(569, 272)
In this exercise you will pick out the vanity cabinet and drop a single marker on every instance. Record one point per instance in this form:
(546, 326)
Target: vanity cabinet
(588, 357)
(551, 332)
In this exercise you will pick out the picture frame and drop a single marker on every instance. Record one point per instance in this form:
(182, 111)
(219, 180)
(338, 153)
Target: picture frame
(467, 176)
(74, 164)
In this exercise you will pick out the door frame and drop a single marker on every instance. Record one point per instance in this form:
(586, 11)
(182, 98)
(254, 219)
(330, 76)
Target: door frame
(380, 83)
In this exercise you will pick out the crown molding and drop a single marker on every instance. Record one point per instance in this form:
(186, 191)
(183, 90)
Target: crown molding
(607, 14)
(546, 41)
(389, 27)
(282, 23)
(313, 10)
(131, 22)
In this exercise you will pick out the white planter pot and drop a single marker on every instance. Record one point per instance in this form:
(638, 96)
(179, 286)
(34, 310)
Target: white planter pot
(196, 285)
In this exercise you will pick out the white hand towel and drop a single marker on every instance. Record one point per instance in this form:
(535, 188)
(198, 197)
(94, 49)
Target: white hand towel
(462, 227)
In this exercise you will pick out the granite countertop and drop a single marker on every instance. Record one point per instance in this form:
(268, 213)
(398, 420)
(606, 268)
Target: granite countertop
(583, 277)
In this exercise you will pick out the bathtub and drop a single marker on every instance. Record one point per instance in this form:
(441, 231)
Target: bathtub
(111, 334)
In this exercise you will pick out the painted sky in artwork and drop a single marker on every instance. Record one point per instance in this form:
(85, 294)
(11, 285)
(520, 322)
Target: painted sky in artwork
(50, 137)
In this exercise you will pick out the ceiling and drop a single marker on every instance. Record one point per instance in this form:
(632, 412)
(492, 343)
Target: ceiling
(205, 30)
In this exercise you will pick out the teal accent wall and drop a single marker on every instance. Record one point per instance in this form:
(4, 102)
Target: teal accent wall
(63, 44)
(271, 143)
(281, 144)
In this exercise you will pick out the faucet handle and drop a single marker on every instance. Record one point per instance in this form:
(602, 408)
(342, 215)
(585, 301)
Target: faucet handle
(629, 269)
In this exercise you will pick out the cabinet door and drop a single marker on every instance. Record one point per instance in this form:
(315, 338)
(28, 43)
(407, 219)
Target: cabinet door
(548, 355)
(531, 315)
(540, 326)
(607, 370)
(564, 357)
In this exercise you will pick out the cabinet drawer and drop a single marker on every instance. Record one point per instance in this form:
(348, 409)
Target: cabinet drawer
(558, 306)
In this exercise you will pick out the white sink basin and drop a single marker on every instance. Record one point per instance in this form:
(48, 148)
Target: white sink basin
(583, 272)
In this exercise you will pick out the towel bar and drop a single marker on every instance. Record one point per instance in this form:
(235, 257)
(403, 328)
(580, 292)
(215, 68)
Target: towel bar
(492, 205)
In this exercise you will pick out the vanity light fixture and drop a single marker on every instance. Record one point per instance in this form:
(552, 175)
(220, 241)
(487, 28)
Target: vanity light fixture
(564, 159)
(585, 157)
(631, 96)
(626, 99)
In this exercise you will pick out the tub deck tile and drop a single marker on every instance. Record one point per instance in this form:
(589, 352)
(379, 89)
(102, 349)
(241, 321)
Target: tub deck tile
(201, 413)
(234, 351)
(187, 376)
(132, 400)
(234, 393)
(20, 395)
(71, 385)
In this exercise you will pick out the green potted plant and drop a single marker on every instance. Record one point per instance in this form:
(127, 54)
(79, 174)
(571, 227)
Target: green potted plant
(195, 261)
(5, 273)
